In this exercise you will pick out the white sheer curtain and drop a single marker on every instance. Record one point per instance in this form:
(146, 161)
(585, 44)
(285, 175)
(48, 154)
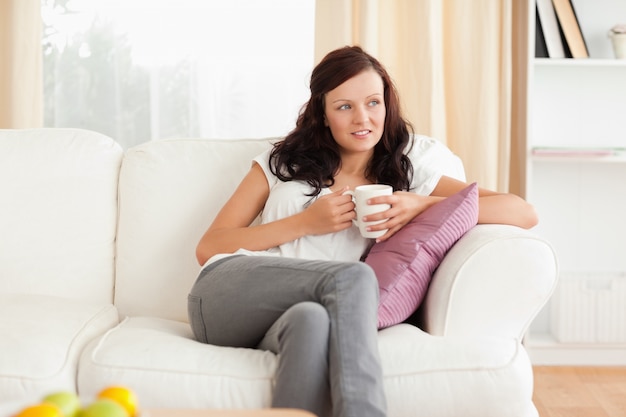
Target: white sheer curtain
(138, 70)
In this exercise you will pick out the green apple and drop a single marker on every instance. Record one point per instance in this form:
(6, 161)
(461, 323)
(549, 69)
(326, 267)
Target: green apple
(67, 401)
(104, 408)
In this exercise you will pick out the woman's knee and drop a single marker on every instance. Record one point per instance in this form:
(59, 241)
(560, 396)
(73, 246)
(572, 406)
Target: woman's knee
(359, 274)
(308, 315)
(305, 326)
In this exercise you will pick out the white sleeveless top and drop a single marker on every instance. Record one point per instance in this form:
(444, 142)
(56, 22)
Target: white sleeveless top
(429, 158)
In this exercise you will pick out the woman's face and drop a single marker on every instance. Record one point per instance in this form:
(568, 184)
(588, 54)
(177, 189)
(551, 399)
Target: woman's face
(355, 112)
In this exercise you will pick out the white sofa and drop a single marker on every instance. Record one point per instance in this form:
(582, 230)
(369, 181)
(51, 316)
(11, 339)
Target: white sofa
(97, 257)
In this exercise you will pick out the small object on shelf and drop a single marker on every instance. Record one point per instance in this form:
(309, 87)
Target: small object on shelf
(618, 39)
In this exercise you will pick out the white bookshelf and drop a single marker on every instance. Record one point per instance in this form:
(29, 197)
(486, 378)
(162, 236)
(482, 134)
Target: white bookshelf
(580, 104)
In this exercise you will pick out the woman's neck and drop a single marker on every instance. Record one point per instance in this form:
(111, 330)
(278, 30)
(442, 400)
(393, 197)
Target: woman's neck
(352, 171)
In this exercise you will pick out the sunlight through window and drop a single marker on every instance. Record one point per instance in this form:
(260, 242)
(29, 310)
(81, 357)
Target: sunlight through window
(140, 70)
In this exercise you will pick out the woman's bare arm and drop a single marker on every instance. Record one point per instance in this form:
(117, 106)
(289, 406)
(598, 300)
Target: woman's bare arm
(231, 228)
(493, 207)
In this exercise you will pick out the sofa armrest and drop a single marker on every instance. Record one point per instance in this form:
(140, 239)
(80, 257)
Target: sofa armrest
(493, 281)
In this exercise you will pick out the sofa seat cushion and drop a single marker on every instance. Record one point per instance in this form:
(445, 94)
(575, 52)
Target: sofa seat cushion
(440, 376)
(41, 339)
(166, 367)
(161, 361)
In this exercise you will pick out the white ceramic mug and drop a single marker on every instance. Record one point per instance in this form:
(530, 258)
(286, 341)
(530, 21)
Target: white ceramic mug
(360, 195)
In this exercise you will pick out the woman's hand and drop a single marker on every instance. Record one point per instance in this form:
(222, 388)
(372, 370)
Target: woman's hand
(404, 207)
(329, 213)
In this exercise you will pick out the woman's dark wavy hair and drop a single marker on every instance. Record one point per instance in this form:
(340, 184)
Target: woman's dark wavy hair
(309, 152)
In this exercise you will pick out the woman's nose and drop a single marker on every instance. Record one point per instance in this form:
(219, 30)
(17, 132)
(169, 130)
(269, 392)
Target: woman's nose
(360, 115)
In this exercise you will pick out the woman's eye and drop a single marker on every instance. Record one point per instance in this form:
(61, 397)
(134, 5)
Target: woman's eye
(374, 103)
(344, 107)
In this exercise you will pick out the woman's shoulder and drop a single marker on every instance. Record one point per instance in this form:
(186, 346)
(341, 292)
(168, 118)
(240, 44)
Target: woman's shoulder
(422, 144)
(430, 153)
(263, 160)
(263, 157)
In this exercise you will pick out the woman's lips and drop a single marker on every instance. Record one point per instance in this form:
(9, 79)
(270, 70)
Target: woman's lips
(361, 133)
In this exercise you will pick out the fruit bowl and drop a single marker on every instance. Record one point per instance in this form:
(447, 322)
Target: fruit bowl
(112, 401)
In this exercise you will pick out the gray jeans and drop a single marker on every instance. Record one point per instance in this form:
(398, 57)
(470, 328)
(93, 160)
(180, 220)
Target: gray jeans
(319, 316)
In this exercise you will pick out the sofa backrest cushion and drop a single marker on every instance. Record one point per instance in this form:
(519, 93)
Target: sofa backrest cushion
(170, 191)
(58, 213)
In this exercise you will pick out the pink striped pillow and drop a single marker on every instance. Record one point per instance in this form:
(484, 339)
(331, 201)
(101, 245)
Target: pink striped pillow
(404, 264)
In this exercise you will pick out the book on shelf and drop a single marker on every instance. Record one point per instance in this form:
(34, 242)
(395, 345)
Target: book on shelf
(576, 151)
(541, 49)
(548, 30)
(570, 26)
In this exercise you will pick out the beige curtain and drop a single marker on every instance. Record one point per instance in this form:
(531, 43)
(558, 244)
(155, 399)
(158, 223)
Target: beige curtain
(21, 84)
(452, 61)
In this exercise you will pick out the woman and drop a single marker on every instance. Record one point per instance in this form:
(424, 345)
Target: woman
(293, 284)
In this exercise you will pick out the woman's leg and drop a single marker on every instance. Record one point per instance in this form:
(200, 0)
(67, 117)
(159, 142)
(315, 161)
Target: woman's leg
(300, 337)
(237, 300)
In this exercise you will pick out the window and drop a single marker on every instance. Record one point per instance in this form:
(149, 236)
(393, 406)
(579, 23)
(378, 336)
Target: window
(138, 70)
